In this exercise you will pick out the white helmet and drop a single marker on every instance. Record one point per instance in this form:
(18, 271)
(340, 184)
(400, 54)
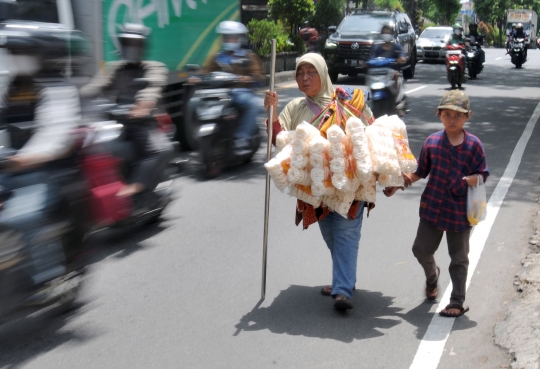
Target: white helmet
(231, 28)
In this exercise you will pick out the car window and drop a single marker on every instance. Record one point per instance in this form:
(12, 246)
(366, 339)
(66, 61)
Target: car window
(36, 10)
(364, 23)
(435, 33)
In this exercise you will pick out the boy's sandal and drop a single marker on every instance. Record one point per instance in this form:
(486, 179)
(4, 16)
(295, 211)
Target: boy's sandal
(462, 310)
(432, 289)
(342, 302)
(327, 290)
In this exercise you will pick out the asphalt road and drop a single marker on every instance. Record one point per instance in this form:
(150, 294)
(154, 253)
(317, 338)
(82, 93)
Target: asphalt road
(186, 293)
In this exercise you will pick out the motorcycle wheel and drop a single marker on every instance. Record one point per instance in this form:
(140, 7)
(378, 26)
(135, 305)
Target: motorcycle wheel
(453, 80)
(333, 76)
(212, 154)
(382, 107)
(472, 71)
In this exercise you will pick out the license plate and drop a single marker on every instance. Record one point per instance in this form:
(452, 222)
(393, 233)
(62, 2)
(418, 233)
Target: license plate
(432, 54)
(351, 62)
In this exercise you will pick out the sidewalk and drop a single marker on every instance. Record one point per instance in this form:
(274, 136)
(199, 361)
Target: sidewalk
(519, 333)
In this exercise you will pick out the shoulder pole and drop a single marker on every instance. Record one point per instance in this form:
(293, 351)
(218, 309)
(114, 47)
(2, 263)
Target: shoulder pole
(268, 157)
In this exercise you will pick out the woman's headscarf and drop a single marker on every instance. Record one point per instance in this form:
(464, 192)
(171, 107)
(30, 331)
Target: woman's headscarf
(324, 96)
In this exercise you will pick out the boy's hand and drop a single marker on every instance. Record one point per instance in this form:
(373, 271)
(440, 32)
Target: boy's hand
(389, 191)
(471, 180)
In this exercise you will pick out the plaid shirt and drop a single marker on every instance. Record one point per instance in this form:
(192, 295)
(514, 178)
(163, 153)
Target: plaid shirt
(444, 201)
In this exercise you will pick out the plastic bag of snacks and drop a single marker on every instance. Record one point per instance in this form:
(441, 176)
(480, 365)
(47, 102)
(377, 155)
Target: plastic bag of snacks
(367, 190)
(383, 150)
(406, 159)
(342, 165)
(305, 194)
(355, 129)
(320, 171)
(283, 139)
(340, 202)
(278, 167)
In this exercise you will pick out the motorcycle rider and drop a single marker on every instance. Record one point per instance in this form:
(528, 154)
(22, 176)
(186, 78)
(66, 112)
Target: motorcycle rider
(475, 39)
(39, 111)
(508, 37)
(117, 82)
(457, 35)
(391, 50)
(234, 59)
(519, 33)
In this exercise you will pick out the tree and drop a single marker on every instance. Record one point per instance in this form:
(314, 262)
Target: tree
(327, 13)
(494, 11)
(291, 12)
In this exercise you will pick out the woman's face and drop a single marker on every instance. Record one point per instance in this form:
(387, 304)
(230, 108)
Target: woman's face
(308, 79)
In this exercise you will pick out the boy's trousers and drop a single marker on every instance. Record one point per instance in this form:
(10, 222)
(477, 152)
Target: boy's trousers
(427, 242)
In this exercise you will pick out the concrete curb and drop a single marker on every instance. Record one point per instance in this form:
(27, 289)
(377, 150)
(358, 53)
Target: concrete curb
(280, 77)
(519, 333)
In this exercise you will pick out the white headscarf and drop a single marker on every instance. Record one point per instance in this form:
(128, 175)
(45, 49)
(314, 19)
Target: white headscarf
(297, 110)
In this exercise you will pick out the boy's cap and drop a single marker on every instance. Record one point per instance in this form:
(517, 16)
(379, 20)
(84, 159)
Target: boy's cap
(455, 100)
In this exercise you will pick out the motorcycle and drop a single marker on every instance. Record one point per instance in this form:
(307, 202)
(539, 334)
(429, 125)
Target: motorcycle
(385, 98)
(517, 52)
(41, 260)
(455, 65)
(216, 117)
(474, 67)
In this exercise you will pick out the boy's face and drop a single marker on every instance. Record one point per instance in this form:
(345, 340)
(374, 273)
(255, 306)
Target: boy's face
(453, 120)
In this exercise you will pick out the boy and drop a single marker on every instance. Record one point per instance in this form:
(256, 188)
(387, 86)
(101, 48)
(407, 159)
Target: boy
(451, 158)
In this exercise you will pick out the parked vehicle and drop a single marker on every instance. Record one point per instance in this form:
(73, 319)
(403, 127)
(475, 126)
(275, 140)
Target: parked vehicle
(182, 27)
(216, 118)
(529, 19)
(455, 65)
(431, 45)
(349, 47)
(517, 52)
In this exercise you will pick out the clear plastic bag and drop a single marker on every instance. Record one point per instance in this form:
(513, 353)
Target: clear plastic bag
(477, 202)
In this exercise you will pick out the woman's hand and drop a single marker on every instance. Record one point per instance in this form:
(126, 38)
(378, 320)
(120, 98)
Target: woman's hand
(389, 191)
(271, 99)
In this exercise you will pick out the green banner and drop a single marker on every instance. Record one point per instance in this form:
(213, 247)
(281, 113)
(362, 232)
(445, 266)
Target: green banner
(183, 31)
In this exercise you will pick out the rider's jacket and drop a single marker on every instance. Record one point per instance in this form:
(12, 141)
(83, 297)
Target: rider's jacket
(235, 63)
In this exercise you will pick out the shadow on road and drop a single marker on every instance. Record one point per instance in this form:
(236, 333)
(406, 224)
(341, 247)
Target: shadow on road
(303, 311)
(420, 317)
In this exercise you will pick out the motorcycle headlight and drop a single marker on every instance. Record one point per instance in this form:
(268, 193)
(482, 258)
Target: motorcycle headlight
(377, 86)
(453, 61)
(330, 44)
(470, 55)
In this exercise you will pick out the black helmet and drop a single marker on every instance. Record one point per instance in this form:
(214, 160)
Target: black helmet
(389, 26)
(132, 41)
(473, 27)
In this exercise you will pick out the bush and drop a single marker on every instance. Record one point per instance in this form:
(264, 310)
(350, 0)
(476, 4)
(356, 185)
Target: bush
(261, 32)
(298, 44)
(487, 31)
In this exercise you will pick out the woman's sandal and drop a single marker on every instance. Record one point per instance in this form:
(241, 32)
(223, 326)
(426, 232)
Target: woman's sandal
(342, 302)
(462, 310)
(432, 289)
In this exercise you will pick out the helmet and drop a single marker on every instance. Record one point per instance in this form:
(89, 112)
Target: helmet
(388, 26)
(132, 41)
(457, 26)
(513, 25)
(234, 34)
(473, 27)
(519, 26)
(231, 28)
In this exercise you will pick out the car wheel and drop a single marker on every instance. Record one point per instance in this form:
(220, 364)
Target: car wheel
(333, 76)
(409, 72)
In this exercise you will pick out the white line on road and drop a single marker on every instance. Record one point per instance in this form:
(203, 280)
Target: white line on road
(432, 345)
(500, 57)
(415, 89)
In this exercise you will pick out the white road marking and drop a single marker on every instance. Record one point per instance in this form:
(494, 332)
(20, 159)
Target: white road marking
(500, 57)
(415, 89)
(432, 345)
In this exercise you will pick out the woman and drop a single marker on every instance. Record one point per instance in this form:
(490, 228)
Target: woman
(341, 235)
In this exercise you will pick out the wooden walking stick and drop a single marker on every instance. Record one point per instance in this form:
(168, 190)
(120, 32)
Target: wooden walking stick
(268, 157)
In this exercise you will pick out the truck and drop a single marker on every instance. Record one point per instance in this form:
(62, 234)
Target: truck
(182, 33)
(529, 19)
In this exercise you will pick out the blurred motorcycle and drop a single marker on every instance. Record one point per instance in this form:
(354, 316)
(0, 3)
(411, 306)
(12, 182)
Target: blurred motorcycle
(386, 99)
(517, 52)
(216, 118)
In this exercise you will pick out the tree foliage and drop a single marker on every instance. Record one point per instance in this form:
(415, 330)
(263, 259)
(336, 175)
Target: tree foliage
(327, 13)
(261, 32)
(291, 12)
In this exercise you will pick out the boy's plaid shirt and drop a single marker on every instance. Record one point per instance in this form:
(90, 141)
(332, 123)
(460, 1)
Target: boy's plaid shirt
(444, 201)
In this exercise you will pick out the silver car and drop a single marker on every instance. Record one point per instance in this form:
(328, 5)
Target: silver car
(431, 45)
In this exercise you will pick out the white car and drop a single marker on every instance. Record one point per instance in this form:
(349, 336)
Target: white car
(431, 45)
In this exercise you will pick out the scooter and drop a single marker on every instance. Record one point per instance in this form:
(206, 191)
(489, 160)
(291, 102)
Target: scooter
(517, 52)
(455, 65)
(39, 269)
(474, 68)
(216, 117)
(385, 98)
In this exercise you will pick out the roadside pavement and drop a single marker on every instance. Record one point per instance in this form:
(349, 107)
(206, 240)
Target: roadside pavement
(519, 333)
